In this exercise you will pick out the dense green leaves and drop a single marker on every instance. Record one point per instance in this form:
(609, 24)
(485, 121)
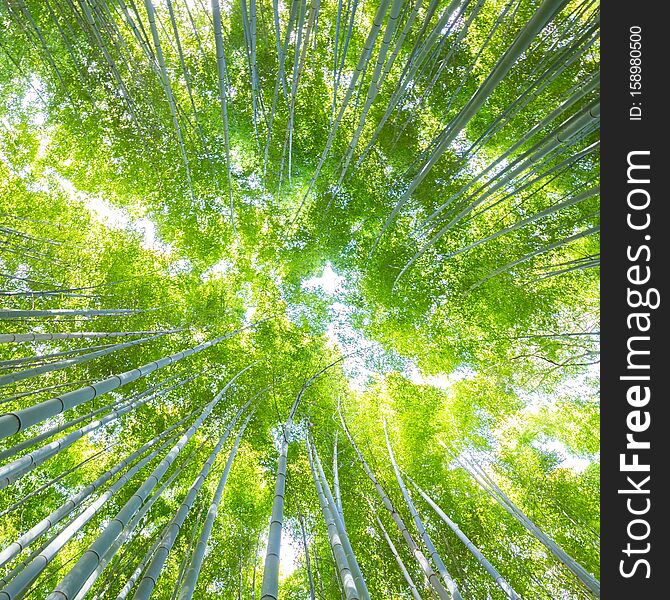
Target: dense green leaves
(401, 197)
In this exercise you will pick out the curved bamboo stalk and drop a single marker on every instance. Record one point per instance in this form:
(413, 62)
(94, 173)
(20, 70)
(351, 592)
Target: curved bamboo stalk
(25, 252)
(502, 181)
(590, 264)
(246, 30)
(297, 54)
(536, 87)
(469, 69)
(565, 132)
(536, 175)
(187, 78)
(281, 76)
(93, 29)
(298, 66)
(445, 61)
(11, 232)
(337, 72)
(29, 280)
(336, 42)
(51, 294)
(270, 585)
(411, 66)
(42, 43)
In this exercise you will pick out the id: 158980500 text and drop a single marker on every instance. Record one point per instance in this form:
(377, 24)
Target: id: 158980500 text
(635, 72)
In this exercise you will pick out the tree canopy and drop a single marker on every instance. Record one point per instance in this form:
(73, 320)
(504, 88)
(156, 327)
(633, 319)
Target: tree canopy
(299, 299)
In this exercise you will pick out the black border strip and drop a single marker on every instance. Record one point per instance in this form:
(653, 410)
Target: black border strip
(621, 135)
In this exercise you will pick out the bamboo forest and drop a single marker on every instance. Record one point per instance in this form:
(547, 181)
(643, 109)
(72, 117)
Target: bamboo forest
(299, 299)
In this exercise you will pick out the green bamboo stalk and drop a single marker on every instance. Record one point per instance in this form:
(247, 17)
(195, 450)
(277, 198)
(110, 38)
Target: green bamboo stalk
(70, 362)
(221, 64)
(75, 501)
(130, 528)
(403, 569)
(11, 423)
(423, 563)
(490, 569)
(338, 519)
(89, 561)
(538, 21)
(26, 463)
(437, 559)
(192, 572)
(153, 572)
(345, 576)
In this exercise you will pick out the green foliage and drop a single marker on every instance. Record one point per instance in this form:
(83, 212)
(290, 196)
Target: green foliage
(96, 213)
